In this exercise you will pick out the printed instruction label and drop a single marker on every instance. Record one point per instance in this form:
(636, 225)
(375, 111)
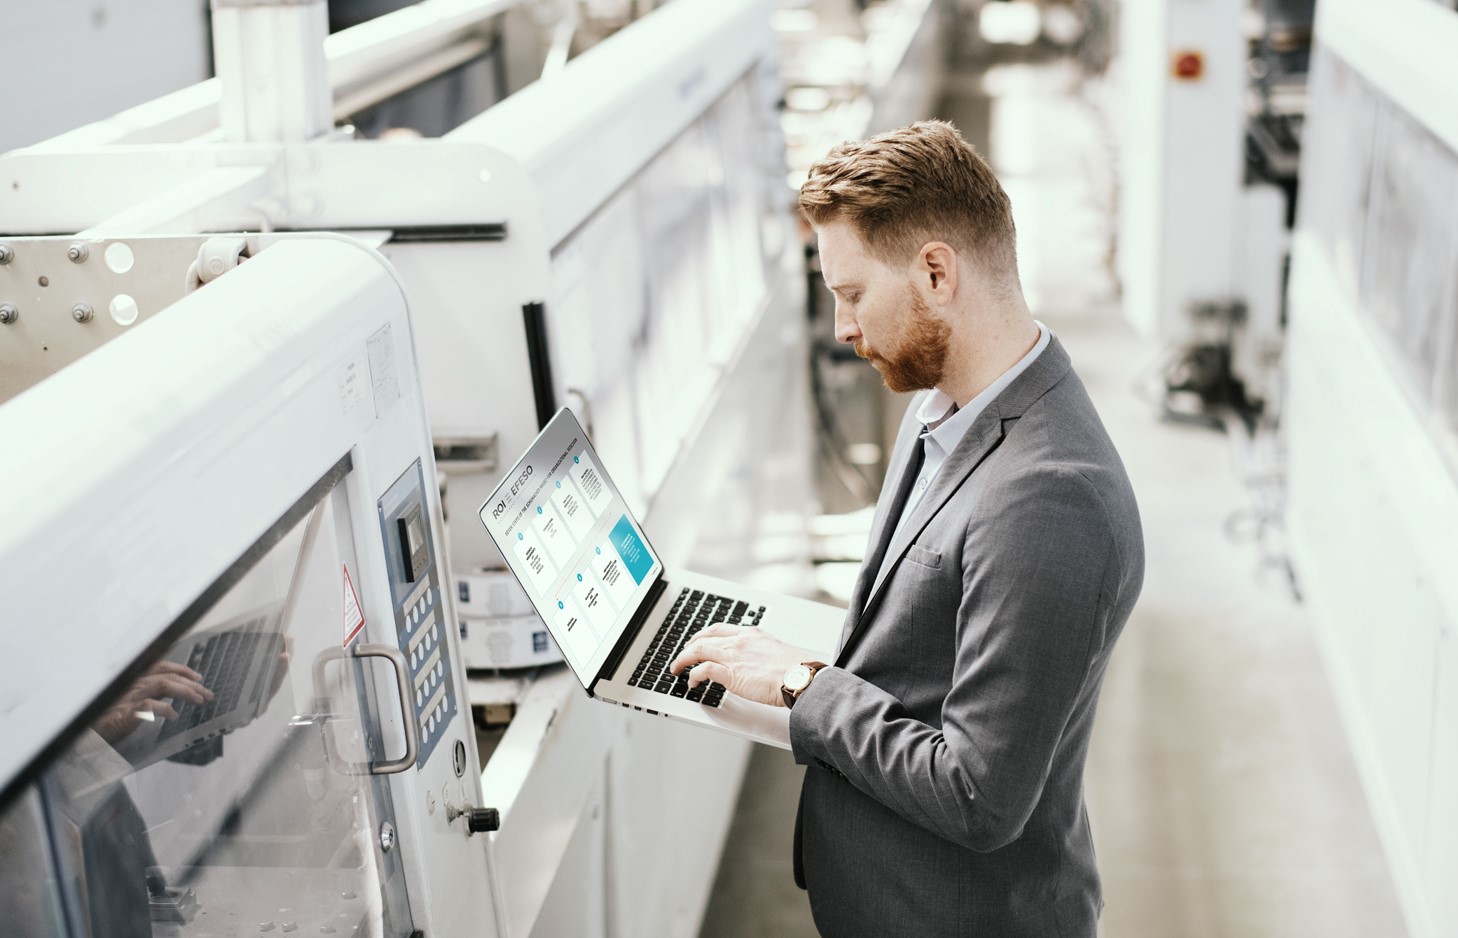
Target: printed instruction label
(353, 615)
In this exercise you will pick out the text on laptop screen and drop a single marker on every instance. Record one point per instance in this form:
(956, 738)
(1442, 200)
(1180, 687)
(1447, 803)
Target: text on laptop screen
(571, 541)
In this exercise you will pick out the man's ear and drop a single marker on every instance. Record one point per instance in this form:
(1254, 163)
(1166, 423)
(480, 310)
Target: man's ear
(936, 267)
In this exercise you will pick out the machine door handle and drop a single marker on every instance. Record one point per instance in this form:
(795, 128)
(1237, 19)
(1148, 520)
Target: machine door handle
(402, 682)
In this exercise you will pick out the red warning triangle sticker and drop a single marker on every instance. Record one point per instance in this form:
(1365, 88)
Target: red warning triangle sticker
(353, 615)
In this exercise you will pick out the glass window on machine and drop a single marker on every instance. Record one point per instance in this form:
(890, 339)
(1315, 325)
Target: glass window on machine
(217, 788)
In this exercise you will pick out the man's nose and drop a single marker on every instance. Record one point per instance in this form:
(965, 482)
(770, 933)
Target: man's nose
(846, 329)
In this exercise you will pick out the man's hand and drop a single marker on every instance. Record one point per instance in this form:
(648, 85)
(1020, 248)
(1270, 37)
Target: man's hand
(745, 659)
(163, 681)
(281, 666)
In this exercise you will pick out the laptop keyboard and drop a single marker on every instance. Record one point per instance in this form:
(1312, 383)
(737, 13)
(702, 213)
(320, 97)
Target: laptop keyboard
(223, 661)
(691, 612)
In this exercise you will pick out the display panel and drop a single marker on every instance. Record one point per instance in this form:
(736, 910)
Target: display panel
(419, 606)
(570, 539)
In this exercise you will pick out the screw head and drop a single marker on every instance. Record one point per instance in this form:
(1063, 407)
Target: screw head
(82, 312)
(78, 252)
(7, 254)
(387, 837)
(8, 313)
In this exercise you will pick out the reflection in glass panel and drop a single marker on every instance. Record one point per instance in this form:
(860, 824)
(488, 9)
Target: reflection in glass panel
(30, 900)
(222, 785)
(1412, 246)
(1445, 387)
(653, 293)
(1336, 175)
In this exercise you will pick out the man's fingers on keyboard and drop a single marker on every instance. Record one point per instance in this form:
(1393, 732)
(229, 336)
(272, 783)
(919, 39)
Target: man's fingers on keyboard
(160, 708)
(686, 659)
(176, 667)
(708, 671)
(719, 629)
(167, 685)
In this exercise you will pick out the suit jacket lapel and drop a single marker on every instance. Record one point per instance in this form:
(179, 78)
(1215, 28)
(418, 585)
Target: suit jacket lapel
(880, 527)
(984, 434)
(982, 438)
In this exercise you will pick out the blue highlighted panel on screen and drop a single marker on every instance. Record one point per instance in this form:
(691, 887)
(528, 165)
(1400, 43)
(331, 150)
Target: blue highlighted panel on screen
(632, 549)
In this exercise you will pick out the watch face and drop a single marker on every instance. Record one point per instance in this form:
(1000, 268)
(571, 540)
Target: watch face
(797, 678)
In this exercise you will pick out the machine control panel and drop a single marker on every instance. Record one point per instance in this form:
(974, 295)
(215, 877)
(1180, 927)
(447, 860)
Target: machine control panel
(420, 619)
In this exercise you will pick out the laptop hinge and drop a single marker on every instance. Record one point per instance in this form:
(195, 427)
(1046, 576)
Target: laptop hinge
(610, 665)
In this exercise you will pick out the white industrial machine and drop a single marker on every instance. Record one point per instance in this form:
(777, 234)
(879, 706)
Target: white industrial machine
(237, 495)
(1374, 419)
(617, 241)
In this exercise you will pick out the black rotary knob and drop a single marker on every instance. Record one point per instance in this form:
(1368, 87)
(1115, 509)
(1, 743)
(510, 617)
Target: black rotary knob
(483, 820)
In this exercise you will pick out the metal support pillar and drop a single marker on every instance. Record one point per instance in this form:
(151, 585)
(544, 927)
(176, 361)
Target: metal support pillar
(271, 66)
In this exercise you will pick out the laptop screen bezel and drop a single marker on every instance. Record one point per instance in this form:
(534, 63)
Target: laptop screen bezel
(613, 645)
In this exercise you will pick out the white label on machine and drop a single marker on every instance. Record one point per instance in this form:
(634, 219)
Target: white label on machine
(353, 615)
(382, 369)
(352, 381)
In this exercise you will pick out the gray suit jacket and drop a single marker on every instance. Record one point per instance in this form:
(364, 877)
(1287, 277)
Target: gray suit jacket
(944, 794)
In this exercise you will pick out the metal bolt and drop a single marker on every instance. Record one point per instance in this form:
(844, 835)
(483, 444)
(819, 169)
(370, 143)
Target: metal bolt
(8, 313)
(78, 252)
(7, 254)
(387, 836)
(82, 312)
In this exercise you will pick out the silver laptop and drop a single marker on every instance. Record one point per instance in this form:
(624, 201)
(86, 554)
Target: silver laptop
(619, 616)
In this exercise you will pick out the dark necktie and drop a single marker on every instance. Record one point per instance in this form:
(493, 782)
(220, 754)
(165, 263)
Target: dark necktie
(897, 506)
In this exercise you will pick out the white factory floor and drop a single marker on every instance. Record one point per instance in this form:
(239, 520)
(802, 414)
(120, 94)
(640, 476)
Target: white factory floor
(1222, 792)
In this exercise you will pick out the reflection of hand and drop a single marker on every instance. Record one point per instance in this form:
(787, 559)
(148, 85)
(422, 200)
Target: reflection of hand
(747, 660)
(281, 668)
(150, 694)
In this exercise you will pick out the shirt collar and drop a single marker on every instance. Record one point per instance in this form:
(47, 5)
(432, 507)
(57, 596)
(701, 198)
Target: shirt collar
(936, 405)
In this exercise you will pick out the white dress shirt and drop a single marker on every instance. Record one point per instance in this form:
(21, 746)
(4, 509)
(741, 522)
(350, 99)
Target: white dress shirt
(947, 425)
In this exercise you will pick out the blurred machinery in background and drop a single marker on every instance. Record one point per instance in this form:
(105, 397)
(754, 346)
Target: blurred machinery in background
(616, 238)
(852, 69)
(1214, 96)
(1210, 143)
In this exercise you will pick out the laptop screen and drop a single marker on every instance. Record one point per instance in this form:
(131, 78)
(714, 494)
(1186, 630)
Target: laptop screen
(567, 534)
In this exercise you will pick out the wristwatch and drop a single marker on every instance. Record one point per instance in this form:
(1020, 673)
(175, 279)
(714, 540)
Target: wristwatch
(798, 678)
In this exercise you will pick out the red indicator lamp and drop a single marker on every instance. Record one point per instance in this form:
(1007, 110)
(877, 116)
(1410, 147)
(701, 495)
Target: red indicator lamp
(1187, 65)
